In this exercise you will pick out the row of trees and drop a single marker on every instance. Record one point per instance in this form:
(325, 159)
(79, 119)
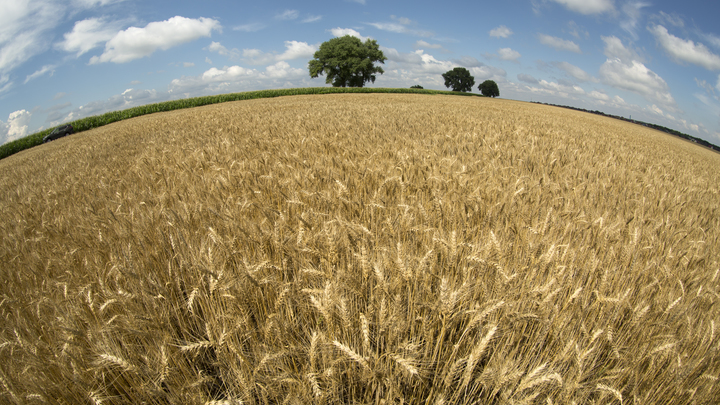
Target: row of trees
(460, 79)
(348, 62)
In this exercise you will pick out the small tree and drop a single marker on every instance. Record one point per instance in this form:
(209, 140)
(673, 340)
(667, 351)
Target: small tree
(417, 86)
(347, 61)
(459, 79)
(489, 88)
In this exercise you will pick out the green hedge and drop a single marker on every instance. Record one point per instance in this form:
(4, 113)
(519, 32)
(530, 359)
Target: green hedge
(99, 120)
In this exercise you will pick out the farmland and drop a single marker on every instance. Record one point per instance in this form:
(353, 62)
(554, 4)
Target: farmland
(361, 248)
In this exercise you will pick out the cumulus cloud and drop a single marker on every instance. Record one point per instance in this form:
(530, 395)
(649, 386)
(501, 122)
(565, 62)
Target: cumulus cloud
(621, 70)
(501, 32)
(135, 43)
(559, 43)
(588, 6)
(238, 77)
(88, 34)
(416, 65)
(341, 32)
(685, 50)
(293, 50)
(573, 71)
(16, 126)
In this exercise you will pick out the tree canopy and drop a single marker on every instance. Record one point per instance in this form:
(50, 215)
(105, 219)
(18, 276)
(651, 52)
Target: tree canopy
(489, 88)
(459, 79)
(347, 61)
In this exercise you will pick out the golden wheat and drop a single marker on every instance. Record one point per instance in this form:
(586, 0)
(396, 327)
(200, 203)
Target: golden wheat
(361, 249)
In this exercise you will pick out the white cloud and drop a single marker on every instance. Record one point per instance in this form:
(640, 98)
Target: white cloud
(127, 99)
(288, 15)
(88, 34)
(208, 60)
(655, 109)
(24, 28)
(188, 64)
(712, 39)
(400, 28)
(632, 11)
(252, 27)
(45, 69)
(561, 89)
(401, 20)
(420, 44)
(575, 30)
(134, 43)
(341, 32)
(501, 32)
(614, 48)
(508, 54)
(237, 77)
(599, 96)
(312, 18)
(636, 77)
(293, 50)
(16, 126)
(672, 19)
(94, 3)
(220, 49)
(685, 51)
(709, 89)
(418, 66)
(621, 70)
(393, 55)
(588, 6)
(573, 71)
(559, 43)
(527, 78)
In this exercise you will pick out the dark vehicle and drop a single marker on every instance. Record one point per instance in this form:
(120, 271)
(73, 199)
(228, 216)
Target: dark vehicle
(58, 132)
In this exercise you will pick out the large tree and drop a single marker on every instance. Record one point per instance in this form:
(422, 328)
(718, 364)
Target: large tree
(489, 88)
(459, 79)
(347, 61)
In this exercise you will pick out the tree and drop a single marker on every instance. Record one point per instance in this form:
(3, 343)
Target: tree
(459, 79)
(489, 88)
(417, 86)
(347, 61)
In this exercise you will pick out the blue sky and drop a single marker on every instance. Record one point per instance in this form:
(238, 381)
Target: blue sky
(657, 61)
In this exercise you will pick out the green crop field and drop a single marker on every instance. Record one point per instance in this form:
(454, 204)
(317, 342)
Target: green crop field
(361, 248)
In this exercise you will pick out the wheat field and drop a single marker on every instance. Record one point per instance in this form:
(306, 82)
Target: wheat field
(357, 249)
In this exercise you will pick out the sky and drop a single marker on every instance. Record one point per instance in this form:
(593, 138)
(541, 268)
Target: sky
(654, 61)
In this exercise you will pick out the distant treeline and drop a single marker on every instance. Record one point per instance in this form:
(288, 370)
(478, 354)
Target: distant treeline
(653, 126)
